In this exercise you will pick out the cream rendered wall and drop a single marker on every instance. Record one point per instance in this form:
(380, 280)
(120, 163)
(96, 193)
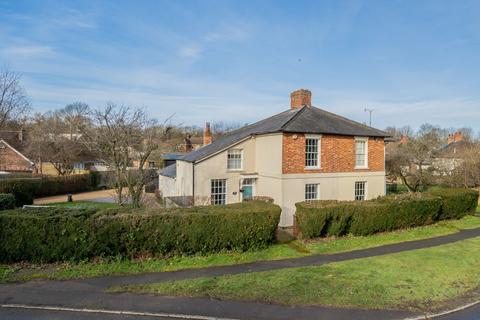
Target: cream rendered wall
(216, 168)
(184, 180)
(333, 186)
(268, 162)
(167, 186)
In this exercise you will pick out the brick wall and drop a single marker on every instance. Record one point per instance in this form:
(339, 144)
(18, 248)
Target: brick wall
(337, 154)
(12, 161)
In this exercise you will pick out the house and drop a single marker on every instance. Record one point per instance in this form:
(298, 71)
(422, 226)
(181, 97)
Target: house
(303, 153)
(451, 156)
(12, 160)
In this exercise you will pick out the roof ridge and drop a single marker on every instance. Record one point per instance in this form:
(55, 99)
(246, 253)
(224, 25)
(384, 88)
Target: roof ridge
(348, 120)
(255, 123)
(292, 118)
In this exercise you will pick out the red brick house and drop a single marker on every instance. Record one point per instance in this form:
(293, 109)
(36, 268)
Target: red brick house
(303, 153)
(12, 160)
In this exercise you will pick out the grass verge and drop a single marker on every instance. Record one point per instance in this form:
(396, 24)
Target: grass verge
(419, 280)
(84, 204)
(296, 249)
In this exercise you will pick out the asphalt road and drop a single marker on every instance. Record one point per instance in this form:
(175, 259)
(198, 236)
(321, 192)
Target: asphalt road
(472, 313)
(25, 314)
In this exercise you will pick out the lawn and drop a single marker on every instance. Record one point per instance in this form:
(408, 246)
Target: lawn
(419, 280)
(24, 272)
(84, 204)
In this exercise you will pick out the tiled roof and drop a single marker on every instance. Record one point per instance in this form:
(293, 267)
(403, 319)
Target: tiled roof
(300, 120)
(170, 171)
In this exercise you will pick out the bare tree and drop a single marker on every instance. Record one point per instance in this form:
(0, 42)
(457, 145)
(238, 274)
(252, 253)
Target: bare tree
(412, 161)
(13, 99)
(125, 138)
(51, 140)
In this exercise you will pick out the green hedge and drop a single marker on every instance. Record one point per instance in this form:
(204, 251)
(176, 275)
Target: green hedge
(24, 189)
(7, 201)
(58, 234)
(27, 189)
(456, 202)
(337, 218)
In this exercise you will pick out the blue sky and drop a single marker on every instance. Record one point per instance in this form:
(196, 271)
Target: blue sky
(411, 61)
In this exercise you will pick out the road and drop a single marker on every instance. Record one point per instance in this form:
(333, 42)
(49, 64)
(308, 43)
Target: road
(472, 313)
(26, 314)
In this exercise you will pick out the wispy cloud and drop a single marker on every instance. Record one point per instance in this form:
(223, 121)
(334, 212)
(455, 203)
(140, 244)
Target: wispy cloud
(229, 33)
(190, 52)
(27, 51)
(225, 33)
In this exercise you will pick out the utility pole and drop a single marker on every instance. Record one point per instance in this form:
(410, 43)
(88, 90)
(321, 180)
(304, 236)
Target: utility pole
(369, 111)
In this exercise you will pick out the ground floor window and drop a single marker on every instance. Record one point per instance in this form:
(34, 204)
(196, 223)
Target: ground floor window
(312, 191)
(360, 190)
(218, 191)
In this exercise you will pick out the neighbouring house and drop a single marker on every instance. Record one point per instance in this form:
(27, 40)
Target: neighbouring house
(303, 153)
(12, 158)
(451, 155)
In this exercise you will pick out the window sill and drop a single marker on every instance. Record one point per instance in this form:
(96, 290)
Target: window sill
(312, 168)
(235, 170)
(361, 168)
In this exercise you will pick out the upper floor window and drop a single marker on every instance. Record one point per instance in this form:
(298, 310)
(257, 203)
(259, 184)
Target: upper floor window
(312, 152)
(360, 190)
(312, 191)
(235, 159)
(361, 153)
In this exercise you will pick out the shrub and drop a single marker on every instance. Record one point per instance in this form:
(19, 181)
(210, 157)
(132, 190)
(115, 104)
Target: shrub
(47, 234)
(24, 189)
(456, 203)
(58, 234)
(7, 201)
(332, 218)
(27, 189)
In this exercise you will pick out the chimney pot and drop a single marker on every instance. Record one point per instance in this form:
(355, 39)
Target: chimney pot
(300, 98)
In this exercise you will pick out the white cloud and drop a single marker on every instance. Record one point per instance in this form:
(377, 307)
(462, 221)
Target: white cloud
(192, 52)
(228, 33)
(27, 51)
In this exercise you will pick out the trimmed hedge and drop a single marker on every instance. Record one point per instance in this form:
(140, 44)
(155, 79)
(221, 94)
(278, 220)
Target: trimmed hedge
(456, 203)
(337, 218)
(7, 201)
(50, 235)
(27, 189)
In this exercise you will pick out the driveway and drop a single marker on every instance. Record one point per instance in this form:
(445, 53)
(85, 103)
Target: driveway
(95, 196)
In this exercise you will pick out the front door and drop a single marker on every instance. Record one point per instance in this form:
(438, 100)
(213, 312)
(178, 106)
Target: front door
(247, 189)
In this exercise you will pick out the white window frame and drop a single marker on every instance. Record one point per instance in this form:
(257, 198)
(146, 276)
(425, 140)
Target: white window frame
(364, 140)
(319, 151)
(213, 199)
(316, 193)
(237, 151)
(357, 183)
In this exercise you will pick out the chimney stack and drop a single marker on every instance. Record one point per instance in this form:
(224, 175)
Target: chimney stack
(300, 98)
(455, 137)
(207, 134)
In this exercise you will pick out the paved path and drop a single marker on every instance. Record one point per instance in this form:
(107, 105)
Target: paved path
(100, 195)
(90, 292)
